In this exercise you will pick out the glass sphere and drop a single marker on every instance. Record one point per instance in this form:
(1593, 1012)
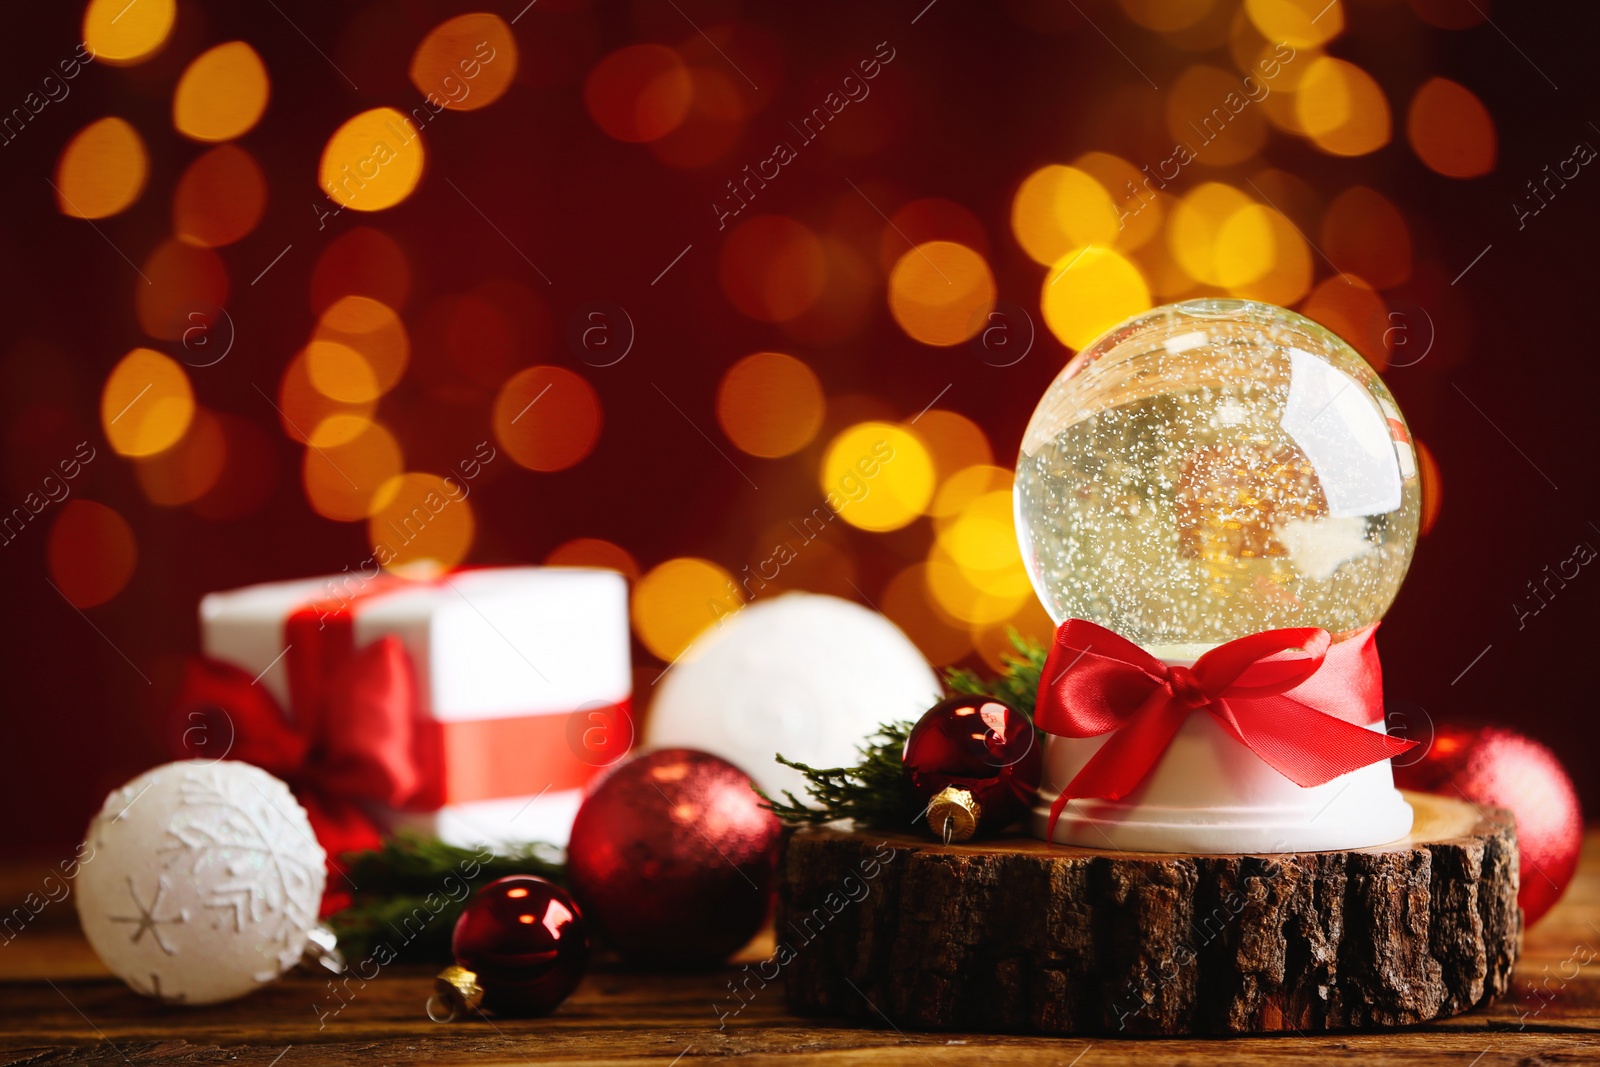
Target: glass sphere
(525, 941)
(981, 745)
(1214, 468)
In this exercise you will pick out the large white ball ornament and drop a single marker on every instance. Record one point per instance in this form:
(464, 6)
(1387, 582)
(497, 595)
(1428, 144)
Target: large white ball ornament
(806, 675)
(202, 881)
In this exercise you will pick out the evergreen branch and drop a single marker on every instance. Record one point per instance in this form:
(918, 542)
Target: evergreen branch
(875, 792)
(412, 890)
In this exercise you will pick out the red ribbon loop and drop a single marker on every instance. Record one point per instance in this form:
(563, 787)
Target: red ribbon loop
(1293, 697)
(350, 743)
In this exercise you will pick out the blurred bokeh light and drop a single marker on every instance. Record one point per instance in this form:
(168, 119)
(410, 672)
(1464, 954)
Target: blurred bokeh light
(1342, 108)
(677, 600)
(189, 469)
(373, 161)
(222, 93)
(1450, 129)
(1089, 291)
(594, 552)
(639, 93)
(773, 268)
(92, 552)
(834, 277)
(147, 403)
(881, 472)
(220, 198)
(184, 287)
(466, 62)
(421, 524)
(547, 418)
(343, 477)
(102, 170)
(770, 404)
(120, 32)
(940, 292)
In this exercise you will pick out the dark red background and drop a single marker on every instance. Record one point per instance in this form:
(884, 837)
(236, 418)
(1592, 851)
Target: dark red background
(974, 101)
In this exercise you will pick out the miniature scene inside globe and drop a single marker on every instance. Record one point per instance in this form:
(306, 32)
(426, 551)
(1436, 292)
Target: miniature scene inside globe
(1214, 468)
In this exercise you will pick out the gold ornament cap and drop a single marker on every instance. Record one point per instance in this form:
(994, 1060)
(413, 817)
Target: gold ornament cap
(455, 993)
(953, 814)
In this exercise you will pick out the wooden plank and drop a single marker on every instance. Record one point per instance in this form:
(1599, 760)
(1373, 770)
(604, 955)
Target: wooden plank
(80, 1015)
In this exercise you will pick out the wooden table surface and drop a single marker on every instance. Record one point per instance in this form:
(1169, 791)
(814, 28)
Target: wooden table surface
(58, 1005)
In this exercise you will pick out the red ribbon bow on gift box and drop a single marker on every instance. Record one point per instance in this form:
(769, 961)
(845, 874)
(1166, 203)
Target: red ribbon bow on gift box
(352, 741)
(1293, 697)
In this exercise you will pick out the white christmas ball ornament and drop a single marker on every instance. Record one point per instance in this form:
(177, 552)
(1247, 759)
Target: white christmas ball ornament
(203, 881)
(806, 675)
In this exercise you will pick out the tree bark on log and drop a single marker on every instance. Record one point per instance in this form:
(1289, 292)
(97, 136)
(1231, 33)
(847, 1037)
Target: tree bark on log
(1020, 936)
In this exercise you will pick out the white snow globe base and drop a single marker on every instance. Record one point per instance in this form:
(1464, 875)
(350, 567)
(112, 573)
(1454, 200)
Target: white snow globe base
(1210, 794)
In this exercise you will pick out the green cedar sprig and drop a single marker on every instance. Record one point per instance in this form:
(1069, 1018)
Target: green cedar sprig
(876, 792)
(396, 880)
(394, 884)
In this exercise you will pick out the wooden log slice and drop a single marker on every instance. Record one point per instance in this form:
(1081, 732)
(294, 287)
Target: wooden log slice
(1019, 936)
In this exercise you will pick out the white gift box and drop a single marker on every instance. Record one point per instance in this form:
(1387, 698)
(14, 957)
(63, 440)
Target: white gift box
(511, 664)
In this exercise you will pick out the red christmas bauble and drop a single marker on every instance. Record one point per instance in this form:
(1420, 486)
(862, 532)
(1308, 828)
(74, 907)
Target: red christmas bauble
(1491, 765)
(674, 859)
(980, 745)
(525, 941)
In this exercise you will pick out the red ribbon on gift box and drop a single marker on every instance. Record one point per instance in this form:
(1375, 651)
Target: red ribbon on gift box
(1293, 697)
(353, 738)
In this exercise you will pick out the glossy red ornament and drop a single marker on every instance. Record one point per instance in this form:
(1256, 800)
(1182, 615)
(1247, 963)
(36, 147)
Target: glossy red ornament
(674, 860)
(1491, 765)
(981, 745)
(525, 941)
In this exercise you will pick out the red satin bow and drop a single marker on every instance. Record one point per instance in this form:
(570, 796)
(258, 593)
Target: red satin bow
(349, 745)
(1292, 697)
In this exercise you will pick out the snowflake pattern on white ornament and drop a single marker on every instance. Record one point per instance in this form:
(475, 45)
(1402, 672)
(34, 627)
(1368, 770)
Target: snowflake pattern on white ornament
(147, 921)
(205, 888)
(232, 838)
